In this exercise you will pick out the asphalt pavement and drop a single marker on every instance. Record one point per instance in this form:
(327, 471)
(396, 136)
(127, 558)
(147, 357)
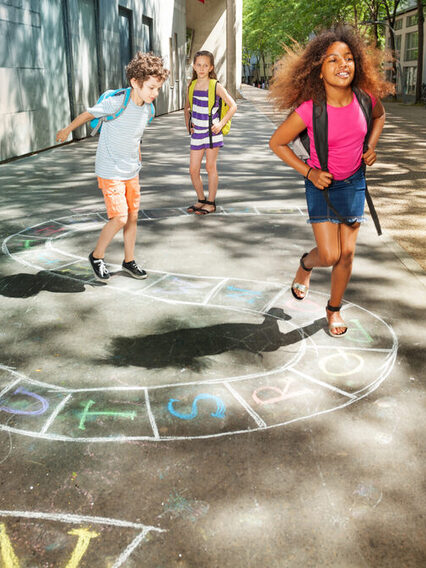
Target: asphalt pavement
(203, 417)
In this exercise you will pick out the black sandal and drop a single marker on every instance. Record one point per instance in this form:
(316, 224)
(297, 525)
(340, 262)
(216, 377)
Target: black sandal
(193, 209)
(296, 286)
(202, 211)
(335, 325)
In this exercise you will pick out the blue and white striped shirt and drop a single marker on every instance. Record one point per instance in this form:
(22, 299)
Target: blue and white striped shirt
(117, 156)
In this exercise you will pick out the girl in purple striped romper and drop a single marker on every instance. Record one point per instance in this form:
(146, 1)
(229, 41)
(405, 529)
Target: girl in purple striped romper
(197, 123)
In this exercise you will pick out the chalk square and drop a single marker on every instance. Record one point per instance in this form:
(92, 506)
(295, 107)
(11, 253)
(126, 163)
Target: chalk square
(279, 399)
(125, 282)
(107, 414)
(279, 210)
(79, 270)
(20, 243)
(28, 407)
(198, 410)
(38, 539)
(348, 370)
(163, 213)
(48, 230)
(178, 288)
(44, 258)
(84, 222)
(246, 294)
(239, 210)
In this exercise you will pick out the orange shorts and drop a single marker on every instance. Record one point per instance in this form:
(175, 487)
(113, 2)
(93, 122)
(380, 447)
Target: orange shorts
(121, 196)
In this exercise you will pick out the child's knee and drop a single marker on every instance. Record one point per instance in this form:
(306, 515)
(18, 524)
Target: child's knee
(328, 257)
(194, 170)
(211, 168)
(119, 220)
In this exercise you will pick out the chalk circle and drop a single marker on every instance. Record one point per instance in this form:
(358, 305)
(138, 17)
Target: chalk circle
(300, 380)
(358, 359)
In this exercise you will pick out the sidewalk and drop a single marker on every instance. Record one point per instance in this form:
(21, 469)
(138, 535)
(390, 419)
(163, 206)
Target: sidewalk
(203, 417)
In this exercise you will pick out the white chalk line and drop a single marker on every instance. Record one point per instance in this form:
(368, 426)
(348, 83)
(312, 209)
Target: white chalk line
(55, 413)
(247, 407)
(79, 519)
(151, 416)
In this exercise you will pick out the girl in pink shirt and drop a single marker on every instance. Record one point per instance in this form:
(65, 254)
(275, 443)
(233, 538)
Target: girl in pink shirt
(325, 72)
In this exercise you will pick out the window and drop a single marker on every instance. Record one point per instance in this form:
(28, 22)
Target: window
(398, 43)
(398, 24)
(410, 75)
(412, 20)
(189, 37)
(172, 67)
(147, 34)
(411, 46)
(126, 33)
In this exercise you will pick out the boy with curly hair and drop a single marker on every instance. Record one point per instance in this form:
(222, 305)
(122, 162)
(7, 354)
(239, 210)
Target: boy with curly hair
(118, 157)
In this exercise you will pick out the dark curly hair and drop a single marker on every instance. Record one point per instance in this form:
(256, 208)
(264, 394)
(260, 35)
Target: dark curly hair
(212, 74)
(146, 65)
(297, 75)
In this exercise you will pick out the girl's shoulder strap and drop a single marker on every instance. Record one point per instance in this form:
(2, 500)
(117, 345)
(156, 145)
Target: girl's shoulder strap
(191, 91)
(212, 93)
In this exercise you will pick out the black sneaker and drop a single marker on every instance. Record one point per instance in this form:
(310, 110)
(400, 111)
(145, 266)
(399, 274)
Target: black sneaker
(99, 267)
(134, 270)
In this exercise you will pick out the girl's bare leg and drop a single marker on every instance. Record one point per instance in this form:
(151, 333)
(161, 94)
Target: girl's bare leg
(211, 168)
(326, 253)
(129, 236)
(341, 272)
(107, 234)
(195, 157)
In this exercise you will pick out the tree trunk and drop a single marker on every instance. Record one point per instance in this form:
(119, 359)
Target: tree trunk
(419, 78)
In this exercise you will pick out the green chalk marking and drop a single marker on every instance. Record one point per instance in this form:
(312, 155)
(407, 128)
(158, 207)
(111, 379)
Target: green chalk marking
(86, 413)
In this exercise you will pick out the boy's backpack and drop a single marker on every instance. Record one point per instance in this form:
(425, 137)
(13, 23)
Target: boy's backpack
(301, 146)
(223, 107)
(96, 123)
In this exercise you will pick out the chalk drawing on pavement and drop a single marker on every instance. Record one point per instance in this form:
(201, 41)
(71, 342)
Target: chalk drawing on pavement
(310, 374)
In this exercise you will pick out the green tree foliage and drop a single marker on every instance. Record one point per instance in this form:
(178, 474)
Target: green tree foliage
(269, 25)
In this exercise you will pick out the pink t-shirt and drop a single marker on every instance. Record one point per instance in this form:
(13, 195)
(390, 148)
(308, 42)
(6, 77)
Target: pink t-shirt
(347, 128)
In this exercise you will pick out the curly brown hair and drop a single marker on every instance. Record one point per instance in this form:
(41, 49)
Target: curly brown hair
(212, 74)
(297, 75)
(146, 65)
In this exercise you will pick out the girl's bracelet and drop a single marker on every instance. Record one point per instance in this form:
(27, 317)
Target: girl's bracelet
(309, 171)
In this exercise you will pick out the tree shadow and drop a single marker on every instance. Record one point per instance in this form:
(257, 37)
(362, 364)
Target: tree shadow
(25, 285)
(183, 347)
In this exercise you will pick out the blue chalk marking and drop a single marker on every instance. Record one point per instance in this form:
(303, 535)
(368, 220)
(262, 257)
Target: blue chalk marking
(220, 407)
(43, 402)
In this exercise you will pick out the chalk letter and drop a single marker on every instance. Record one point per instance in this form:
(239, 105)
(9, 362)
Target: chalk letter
(8, 556)
(84, 538)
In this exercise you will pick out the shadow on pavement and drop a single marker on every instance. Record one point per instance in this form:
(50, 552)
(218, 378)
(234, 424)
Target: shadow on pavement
(25, 285)
(182, 347)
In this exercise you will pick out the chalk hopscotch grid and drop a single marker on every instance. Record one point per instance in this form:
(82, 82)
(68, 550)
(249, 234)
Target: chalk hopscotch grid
(386, 367)
(66, 518)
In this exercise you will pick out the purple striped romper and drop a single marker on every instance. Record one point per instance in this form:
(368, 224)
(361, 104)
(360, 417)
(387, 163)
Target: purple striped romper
(200, 139)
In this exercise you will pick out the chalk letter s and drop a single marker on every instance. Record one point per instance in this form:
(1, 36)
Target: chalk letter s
(220, 407)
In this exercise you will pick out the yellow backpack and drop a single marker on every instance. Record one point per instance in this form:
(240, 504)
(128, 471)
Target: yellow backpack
(223, 107)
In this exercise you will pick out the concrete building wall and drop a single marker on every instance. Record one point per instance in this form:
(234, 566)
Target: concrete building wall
(57, 56)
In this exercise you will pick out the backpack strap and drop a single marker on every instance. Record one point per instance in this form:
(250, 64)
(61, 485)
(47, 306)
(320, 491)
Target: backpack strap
(212, 100)
(320, 128)
(123, 107)
(190, 99)
(366, 105)
(152, 109)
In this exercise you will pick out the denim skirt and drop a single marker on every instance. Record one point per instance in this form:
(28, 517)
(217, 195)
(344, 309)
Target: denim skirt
(347, 196)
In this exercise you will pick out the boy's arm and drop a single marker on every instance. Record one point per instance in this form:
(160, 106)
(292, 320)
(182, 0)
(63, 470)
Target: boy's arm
(378, 118)
(81, 119)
